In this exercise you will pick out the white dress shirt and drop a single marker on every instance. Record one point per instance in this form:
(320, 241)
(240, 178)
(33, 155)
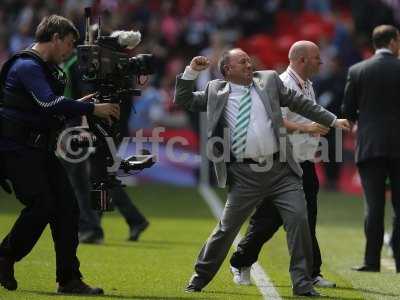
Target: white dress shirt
(304, 144)
(261, 141)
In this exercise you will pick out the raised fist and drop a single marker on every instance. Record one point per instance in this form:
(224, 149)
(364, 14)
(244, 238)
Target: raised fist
(199, 63)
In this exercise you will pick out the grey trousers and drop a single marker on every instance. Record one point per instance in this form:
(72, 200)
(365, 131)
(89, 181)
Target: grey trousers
(247, 188)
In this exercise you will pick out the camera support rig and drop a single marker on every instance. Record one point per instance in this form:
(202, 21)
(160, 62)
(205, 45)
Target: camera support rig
(111, 71)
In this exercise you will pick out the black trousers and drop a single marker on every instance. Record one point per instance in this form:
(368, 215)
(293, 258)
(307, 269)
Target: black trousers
(42, 186)
(128, 210)
(266, 221)
(79, 176)
(374, 173)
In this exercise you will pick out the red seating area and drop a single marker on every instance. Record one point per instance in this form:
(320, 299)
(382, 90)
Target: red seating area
(272, 49)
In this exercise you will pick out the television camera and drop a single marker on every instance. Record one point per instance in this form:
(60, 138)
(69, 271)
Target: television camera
(105, 66)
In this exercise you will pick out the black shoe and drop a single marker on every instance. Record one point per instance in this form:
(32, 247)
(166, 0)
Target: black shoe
(137, 230)
(312, 293)
(192, 288)
(365, 268)
(90, 237)
(195, 284)
(7, 279)
(77, 286)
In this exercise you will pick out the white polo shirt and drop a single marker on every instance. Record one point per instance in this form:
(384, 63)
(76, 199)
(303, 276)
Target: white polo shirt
(304, 144)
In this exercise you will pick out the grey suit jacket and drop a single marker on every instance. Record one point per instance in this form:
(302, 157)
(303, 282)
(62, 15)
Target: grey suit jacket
(272, 92)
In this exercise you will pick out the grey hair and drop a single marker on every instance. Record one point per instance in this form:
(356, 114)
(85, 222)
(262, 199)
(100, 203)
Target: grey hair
(224, 61)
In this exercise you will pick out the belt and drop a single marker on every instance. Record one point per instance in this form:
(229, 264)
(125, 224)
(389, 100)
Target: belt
(250, 161)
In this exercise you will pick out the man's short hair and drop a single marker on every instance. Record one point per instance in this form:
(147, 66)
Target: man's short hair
(55, 24)
(383, 34)
(224, 61)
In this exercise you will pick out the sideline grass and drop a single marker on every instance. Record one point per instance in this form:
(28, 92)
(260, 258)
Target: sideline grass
(159, 265)
(340, 236)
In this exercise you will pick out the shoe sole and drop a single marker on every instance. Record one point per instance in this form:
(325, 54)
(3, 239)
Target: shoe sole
(325, 286)
(192, 291)
(100, 292)
(80, 294)
(96, 242)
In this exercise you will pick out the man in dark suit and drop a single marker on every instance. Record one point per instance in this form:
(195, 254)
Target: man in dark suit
(244, 121)
(371, 99)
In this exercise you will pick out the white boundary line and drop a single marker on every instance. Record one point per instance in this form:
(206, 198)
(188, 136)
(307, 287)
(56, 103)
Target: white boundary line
(261, 279)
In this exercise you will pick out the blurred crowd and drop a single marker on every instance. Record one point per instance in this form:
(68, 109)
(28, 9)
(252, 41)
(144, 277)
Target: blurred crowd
(176, 30)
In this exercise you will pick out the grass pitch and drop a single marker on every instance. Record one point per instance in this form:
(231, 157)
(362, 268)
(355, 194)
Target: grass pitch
(159, 265)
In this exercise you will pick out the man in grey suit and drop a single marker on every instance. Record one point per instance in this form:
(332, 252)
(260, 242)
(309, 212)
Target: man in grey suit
(253, 157)
(372, 100)
(305, 61)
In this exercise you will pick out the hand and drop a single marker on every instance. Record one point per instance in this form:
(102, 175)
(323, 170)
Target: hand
(199, 63)
(85, 134)
(342, 124)
(315, 129)
(106, 110)
(354, 128)
(86, 98)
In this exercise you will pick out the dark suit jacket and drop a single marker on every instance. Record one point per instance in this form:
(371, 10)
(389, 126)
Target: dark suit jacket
(273, 94)
(372, 97)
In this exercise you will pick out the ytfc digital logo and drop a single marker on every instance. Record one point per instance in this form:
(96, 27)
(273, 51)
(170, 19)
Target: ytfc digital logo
(76, 145)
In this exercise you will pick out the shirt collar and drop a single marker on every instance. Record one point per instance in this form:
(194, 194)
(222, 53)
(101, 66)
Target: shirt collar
(383, 50)
(239, 88)
(297, 78)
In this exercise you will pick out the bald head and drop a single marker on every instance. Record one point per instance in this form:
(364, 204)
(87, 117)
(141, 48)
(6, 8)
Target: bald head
(301, 49)
(304, 58)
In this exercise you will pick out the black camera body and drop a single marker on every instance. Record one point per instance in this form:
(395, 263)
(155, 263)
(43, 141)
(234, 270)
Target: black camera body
(104, 59)
(110, 69)
(111, 72)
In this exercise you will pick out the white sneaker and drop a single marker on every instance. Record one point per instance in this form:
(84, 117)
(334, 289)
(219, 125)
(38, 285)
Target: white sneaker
(319, 281)
(387, 243)
(241, 276)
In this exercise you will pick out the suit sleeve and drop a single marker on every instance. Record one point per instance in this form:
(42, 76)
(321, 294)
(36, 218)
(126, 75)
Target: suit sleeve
(298, 103)
(350, 104)
(185, 97)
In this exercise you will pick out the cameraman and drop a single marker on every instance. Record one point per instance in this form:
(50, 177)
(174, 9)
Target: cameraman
(33, 108)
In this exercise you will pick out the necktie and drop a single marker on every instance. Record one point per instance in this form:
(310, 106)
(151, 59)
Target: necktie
(242, 123)
(307, 90)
